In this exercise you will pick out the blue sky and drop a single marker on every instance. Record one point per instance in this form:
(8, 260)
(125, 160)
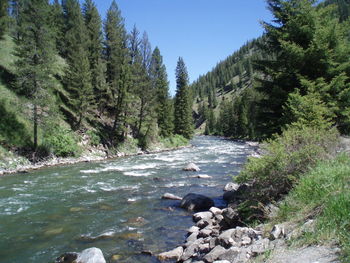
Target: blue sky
(203, 32)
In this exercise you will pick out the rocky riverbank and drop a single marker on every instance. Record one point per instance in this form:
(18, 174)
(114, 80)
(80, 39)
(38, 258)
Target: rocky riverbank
(220, 236)
(21, 165)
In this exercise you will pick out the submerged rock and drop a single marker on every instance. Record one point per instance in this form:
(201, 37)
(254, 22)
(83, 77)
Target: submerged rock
(171, 197)
(196, 202)
(192, 168)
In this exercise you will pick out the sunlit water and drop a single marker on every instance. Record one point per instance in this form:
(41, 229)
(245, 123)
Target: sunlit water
(55, 210)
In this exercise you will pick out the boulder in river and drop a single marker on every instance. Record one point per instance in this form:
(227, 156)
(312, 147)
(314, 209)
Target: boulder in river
(192, 168)
(171, 197)
(90, 255)
(196, 202)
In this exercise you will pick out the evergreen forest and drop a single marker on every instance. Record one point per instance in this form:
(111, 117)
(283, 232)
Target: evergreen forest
(70, 80)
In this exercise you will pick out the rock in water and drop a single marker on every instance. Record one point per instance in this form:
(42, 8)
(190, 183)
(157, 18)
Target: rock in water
(173, 254)
(192, 167)
(196, 202)
(231, 187)
(171, 197)
(91, 255)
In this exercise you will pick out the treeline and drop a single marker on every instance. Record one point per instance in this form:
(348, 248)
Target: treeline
(100, 78)
(302, 73)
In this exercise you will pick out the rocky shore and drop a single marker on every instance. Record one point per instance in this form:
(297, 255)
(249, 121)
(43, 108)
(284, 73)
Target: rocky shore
(220, 236)
(93, 155)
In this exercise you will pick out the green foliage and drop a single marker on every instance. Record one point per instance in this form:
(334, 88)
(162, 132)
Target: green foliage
(94, 138)
(183, 111)
(324, 194)
(3, 18)
(174, 141)
(61, 141)
(308, 110)
(287, 157)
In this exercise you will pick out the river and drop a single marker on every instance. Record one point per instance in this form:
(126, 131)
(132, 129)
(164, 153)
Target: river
(59, 209)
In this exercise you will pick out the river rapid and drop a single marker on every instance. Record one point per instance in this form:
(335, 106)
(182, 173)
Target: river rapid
(114, 205)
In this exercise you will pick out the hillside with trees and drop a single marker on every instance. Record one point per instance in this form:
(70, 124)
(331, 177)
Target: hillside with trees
(69, 78)
(300, 60)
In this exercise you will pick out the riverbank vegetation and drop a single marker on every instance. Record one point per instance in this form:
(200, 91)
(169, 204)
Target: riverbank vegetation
(289, 89)
(70, 81)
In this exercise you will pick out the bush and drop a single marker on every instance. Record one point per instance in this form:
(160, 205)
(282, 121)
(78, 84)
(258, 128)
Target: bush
(61, 141)
(94, 138)
(287, 157)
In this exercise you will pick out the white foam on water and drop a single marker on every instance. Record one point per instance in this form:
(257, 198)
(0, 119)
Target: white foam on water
(144, 166)
(88, 190)
(138, 174)
(109, 189)
(89, 171)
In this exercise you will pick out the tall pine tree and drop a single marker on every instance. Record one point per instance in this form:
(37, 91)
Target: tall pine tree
(183, 120)
(78, 76)
(161, 87)
(35, 51)
(118, 69)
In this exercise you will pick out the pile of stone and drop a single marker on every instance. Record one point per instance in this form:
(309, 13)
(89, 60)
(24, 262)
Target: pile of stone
(207, 242)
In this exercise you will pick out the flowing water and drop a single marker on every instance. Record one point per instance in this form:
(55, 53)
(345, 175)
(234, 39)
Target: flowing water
(54, 210)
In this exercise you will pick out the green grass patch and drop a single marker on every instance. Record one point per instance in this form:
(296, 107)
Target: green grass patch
(323, 194)
(174, 141)
(7, 56)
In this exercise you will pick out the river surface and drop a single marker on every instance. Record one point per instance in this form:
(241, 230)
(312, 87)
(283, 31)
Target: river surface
(54, 210)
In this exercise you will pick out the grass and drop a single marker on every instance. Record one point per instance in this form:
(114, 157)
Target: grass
(7, 56)
(174, 141)
(324, 195)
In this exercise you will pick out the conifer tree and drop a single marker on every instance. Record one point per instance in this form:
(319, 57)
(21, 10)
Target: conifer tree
(118, 69)
(183, 122)
(57, 25)
(93, 25)
(35, 51)
(78, 77)
(3, 17)
(161, 87)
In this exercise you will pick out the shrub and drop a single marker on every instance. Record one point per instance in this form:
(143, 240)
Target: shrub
(287, 157)
(93, 137)
(61, 141)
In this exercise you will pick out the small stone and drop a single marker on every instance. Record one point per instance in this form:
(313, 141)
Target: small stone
(205, 233)
(116, 257)
(91, 255)
(277, 232)
(171, 197)
(173, 254)
(246, 241)
(192, 168)
(193, 229)
(231, 187)
(202, 216)
(191, 238)
(196, 202)
(214, 254)
(202, 224)
(202, 176)
(215, 211)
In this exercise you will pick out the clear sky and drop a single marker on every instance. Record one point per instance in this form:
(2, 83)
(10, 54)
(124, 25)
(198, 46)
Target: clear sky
(203, 32)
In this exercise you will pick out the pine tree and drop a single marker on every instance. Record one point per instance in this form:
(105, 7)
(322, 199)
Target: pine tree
(78, 76)
(93, 25)
(161, 87)
(183, 123)
(3, 17)
(57, 25)
(118, 69)
(35, 51)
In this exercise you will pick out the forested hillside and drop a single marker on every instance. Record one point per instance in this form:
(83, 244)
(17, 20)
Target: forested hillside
(299, 64)
(69, 79)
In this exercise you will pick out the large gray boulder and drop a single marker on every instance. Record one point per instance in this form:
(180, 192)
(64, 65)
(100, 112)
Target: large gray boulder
(196, 202)
(90, 255)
